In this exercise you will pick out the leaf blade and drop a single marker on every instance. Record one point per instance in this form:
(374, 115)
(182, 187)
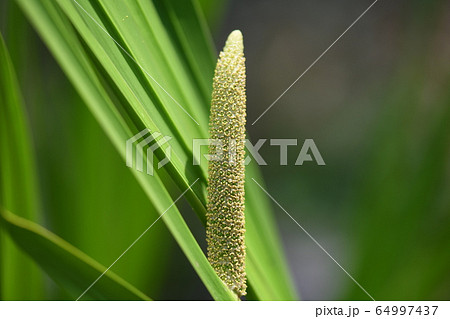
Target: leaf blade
(147, 105)
(69, 52)
(17, 186)
(66, 264)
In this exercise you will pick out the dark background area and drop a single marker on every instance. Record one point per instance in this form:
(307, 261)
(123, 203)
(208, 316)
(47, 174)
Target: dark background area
(377, 106)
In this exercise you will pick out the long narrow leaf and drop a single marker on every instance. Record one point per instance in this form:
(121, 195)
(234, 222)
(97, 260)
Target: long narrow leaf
(64, 43)
(138, 57)
(67, 265)
(17, 186)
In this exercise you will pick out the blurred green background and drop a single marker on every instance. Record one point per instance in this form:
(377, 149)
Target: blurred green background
(377, 106)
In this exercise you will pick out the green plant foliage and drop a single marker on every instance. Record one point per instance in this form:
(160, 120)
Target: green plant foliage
(157, 75)
(17, 186)
(65, 264)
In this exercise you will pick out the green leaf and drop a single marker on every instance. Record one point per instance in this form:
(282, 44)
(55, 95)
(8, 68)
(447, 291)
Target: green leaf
(266, 267)
(59, 35)
(191, 38)
(267, 270)
(71, 268)
(158, 78)
(17, 186)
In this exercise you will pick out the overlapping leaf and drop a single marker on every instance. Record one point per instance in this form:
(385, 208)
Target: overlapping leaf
(158, 77)
(67, 265)
(17, 186)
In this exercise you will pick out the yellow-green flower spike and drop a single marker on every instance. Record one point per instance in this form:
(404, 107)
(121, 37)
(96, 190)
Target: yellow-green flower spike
(225, 217)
